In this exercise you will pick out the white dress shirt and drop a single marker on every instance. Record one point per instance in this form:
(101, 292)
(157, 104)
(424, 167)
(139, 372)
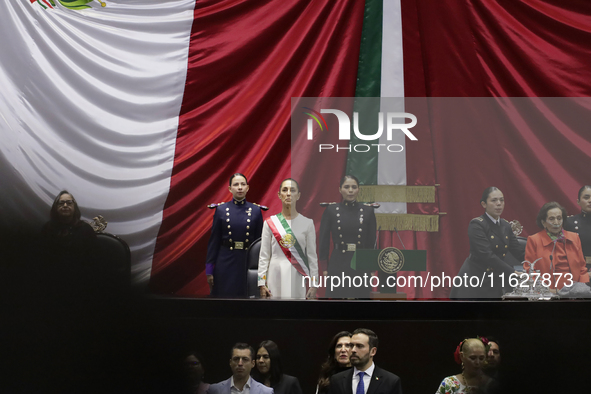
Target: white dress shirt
(495, 221)
(245, 389)
(366, 378)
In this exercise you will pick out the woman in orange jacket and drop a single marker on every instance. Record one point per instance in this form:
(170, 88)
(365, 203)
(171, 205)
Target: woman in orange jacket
(559, 252)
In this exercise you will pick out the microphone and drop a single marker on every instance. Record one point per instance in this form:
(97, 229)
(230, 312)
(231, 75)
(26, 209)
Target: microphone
(552, 269)
(552, 262)
(400, 239)
(375, 245)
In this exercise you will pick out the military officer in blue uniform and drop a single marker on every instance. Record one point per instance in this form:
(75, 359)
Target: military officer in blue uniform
(491, 238)
(581, 223)
(236, 224)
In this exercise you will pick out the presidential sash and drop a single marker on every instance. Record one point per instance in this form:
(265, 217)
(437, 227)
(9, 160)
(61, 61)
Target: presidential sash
(289, 244)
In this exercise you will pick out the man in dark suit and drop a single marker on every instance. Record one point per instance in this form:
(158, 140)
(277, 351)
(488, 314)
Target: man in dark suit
(365, 377)
(241, 362)
(493, 362)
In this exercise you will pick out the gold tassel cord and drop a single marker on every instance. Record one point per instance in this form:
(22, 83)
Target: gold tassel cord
(396, 193)
(401, 221)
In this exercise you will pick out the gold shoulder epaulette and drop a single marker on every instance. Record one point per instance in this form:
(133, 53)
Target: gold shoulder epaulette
(263, 207)
(326, 204)
(479, 219)
(211, 206)
(372, 204)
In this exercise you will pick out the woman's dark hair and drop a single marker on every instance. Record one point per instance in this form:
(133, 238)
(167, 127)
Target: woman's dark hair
(238, 174)
(330, 366)
(276, 371)
(184, 373)
(54, 216)
(543, 214)
(581, 190)
(198, 356)
(289, 179)
(487, 193)
(344, 179)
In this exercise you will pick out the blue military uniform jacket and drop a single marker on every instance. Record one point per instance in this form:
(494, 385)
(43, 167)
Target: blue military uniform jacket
(581, 224)
(236, 224)
(489, 244)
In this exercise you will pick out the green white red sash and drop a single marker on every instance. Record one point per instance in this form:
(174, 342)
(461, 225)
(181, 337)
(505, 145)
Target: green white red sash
(289, 244)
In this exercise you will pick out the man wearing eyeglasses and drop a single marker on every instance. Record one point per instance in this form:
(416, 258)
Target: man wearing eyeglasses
(241, 363)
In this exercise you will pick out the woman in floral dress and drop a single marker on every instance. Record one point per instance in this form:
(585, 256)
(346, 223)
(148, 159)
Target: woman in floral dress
(471, 355)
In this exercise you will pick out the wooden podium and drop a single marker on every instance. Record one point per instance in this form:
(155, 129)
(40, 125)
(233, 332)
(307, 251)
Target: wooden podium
(388, 262)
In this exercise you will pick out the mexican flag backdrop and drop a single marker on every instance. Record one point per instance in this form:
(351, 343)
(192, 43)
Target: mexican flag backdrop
(143, 109)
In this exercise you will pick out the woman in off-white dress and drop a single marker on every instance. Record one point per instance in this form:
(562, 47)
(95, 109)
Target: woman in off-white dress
(280, 276)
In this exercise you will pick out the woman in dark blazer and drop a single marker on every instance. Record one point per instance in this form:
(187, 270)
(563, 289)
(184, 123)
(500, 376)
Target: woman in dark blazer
(491, 238)
(338, 360)
(269, 370)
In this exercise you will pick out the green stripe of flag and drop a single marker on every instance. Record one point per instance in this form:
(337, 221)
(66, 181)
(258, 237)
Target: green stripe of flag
(364, 165)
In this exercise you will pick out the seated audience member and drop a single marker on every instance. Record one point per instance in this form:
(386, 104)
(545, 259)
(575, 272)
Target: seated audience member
(559, 252)
(193, 374)
(337, 360)
(66, 238)
(269, 370)
(491, 238)
(493, 358)
(241, 363)
(581, 223)
(365, 377)
(471, 354)
(68, 250)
